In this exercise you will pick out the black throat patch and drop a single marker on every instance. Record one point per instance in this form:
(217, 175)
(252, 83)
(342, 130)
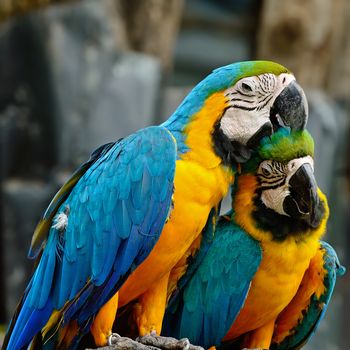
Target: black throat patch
(231, 152)
(282, 226)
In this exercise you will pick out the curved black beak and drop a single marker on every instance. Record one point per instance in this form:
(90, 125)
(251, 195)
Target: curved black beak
(290, 107)
(303, 201)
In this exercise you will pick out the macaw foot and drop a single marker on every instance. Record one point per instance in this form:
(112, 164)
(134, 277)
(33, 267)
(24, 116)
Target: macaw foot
(116, 342)
(113, 339)
(167, 343)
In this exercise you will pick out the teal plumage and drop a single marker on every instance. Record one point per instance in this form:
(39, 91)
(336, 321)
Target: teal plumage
(207, 306)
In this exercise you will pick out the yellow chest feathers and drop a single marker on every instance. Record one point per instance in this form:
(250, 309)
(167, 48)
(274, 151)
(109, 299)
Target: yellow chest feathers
(284, 262)
(195, 183)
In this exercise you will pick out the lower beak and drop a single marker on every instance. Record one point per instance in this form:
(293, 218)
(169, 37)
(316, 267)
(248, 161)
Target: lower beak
(303, 201)
(291, 107)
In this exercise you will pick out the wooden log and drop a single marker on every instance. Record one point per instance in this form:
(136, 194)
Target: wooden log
(301, 34)
(338, 84)
(149, 342)
(12, 8)
(152, 26)
(147, 26)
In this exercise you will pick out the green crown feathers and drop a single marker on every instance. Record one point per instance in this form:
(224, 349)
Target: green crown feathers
(283, 146)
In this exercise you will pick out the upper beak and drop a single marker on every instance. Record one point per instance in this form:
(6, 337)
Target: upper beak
(303, 201)
(291, 107)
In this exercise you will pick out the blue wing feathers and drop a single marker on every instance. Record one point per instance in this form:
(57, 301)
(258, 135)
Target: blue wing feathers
(124, 187)
(136, 192)
(64, 192)
(113, 242)
(68, 274)
(136, 215)
(117, 209)
(126, 224)
(36, 319)
(42, 278)
(82, 274)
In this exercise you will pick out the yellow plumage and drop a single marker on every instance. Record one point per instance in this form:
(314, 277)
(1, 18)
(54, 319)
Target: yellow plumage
(279, 275)
(201, 181)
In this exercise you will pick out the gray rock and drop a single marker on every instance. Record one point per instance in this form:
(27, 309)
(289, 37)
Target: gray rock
(24, 202)
(25, 126)
(324, 126)
(100, 93)
(66, 89)
(82, 91)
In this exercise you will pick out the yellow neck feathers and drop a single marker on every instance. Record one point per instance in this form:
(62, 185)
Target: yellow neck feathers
(199, 131)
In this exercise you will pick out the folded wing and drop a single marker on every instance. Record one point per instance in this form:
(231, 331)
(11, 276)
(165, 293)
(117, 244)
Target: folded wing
(207, 305)
(101, 226)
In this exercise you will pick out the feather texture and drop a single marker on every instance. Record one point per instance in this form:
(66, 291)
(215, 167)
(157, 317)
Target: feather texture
(311, 313)
(116, 211)
(214, 295)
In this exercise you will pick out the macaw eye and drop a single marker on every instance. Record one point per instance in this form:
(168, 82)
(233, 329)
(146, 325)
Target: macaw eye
(265, 171)
(246, 87)
(265, 168)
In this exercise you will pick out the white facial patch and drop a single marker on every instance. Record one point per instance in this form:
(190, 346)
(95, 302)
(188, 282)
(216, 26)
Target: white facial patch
(250, 101)
(273, 198)
(238, 125)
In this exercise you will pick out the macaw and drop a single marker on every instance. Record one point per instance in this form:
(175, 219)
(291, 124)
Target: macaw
(116, 229)
(264, 281)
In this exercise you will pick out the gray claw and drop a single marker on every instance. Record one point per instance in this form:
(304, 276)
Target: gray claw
(116, 342)
(113, 339)
(167, 343)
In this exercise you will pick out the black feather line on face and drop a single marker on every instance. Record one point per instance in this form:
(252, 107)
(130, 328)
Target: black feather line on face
(231, 152)
(281, 226)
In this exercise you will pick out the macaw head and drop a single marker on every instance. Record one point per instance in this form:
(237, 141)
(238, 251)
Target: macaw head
(277, 190)
(244, 102)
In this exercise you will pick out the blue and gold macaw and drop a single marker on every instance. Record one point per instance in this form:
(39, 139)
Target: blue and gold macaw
(127, 217)
(264, 281)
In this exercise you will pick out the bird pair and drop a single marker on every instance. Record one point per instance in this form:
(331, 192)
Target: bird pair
(137, 222)
(265, 279)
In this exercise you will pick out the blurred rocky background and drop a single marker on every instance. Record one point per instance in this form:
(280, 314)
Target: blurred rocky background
(76, 74)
